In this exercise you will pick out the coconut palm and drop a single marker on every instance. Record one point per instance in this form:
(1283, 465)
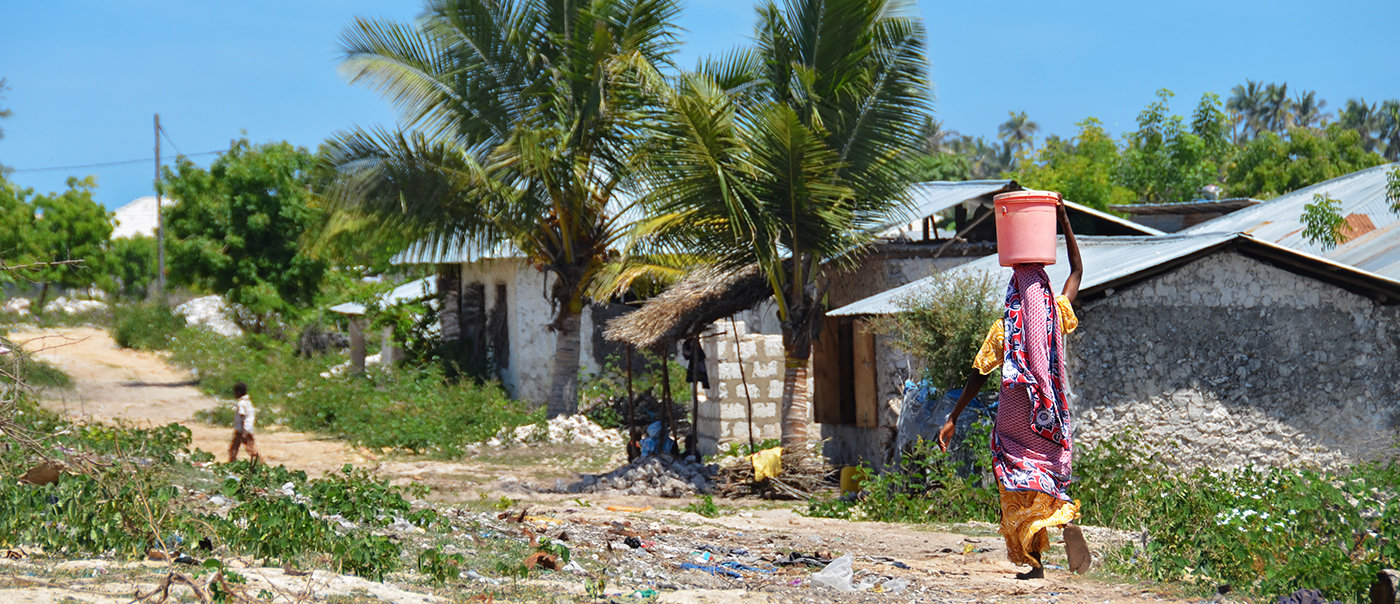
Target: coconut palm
(786, 154)
(1307, 110)
(1017, 131)
(1390, 128)
(1362, 118)
(1277, 108)
(1245, 105)
(524, 133)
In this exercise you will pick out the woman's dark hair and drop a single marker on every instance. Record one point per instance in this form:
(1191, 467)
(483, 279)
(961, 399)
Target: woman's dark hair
(240, 390)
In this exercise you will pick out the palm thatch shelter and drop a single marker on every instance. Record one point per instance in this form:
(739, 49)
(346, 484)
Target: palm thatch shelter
(688, 308)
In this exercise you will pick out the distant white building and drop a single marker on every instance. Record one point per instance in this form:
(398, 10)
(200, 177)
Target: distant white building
(138, 217)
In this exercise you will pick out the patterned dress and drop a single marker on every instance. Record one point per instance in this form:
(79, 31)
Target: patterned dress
(1031, 443)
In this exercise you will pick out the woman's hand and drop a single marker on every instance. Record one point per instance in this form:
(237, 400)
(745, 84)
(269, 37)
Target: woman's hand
(945, 435)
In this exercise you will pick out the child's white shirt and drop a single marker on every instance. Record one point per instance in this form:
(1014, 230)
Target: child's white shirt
(244, 415)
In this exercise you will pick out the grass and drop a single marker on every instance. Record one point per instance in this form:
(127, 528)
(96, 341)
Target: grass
(413, 410)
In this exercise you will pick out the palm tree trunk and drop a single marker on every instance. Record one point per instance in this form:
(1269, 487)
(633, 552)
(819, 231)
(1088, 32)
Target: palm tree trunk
(796, 404)
(563, 392)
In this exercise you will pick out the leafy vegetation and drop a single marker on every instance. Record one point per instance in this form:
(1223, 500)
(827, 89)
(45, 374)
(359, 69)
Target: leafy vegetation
(145, 326)
(944, 324)
(410, 409)
(1323, 223)
(236, 228)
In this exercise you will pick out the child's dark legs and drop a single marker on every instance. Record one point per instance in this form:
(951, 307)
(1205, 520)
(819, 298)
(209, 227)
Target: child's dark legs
(252, 447)
(233, 447)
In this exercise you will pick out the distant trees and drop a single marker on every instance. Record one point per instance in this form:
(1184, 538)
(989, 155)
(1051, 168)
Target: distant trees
(1271, 164)
(236, 228)
(63, 235)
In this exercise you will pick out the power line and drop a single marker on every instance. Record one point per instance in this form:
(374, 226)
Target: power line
(115, 163)
(178, 152)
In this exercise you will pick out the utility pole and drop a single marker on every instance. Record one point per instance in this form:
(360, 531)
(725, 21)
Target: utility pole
(160, 224)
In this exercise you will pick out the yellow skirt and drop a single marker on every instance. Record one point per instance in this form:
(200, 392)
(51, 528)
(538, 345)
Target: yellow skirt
(1024, 517)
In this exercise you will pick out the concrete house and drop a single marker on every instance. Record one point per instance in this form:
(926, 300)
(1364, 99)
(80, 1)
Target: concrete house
(1235, 342)
(851, 402)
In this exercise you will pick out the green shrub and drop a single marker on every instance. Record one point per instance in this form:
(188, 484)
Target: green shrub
(944, 324)
(927, 488)
(409, 409)
(147, 326)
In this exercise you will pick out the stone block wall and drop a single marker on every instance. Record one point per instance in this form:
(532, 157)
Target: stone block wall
(1237, 362)
(723, 408)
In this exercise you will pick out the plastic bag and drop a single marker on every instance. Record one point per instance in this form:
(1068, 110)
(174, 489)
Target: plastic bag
(767, 463)
(895, 586)
(837, 575)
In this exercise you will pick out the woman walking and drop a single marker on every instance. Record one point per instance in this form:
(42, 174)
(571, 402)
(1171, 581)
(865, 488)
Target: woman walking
(1031, 442)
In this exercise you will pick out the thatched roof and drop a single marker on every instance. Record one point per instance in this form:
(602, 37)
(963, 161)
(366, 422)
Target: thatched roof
(688, 307)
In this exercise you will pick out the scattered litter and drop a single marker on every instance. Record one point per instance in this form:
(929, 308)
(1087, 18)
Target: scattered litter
(626, 508)
(713, 569)
(894, 586)
(632, 542)
(543, 560)
(837, 575)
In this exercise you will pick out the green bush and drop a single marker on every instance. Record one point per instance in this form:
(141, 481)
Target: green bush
(944, 324)
(928, 487)
(147, 326)
(408, 409)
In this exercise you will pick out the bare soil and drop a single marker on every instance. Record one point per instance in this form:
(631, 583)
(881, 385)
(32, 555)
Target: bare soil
(964, 563)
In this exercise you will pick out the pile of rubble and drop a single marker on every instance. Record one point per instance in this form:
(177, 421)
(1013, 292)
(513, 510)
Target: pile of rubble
(657, 476)
(212, 313)
(576, 429)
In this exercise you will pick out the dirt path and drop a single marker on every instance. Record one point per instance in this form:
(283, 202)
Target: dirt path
(114, 384)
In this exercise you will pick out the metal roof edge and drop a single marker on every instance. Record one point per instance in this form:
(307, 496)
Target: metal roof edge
(1356, 280)
(1123, 222)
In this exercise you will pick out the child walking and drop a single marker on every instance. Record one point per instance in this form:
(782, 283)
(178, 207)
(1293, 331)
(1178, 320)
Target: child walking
(1031, 441)
(243, 416)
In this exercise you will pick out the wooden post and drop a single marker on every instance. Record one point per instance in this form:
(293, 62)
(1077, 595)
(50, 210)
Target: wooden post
(694, 399)
(357, 344)
(926, 221)
(160, 225)
(631, 399)
(739, 358)
(667, 402)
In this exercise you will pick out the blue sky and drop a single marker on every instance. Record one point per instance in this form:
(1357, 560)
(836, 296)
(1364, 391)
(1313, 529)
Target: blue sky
(86, 76)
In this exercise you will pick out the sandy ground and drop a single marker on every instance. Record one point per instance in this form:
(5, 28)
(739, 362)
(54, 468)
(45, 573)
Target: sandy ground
(113, 384)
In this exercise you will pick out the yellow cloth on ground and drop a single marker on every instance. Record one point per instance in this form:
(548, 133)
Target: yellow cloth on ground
(992, 353)
(767, 463)
(1024, 517)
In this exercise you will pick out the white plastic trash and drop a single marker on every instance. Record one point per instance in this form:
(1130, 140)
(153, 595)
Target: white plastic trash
(895, 586)
(837, 575)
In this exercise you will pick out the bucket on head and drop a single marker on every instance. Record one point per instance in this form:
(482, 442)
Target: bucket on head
(1026, 223)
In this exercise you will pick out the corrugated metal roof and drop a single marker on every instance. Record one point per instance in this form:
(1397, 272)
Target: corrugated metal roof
(1106, 260)
(421, 253)
(936, 196)
(1189, 207)
(408, 292)
(1121, 222)
(1280, 220)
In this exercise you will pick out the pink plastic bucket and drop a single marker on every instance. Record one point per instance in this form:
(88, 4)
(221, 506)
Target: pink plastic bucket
(1026, 227)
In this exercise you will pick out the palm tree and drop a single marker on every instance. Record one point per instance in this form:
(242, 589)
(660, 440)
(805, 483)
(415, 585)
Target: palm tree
(1245, 104)
(1017, 131)
(526, 131)
(784, 155)
(934, 138)
(1362, 118)
(1390, 128)
(1307, 110)
(1277, 108)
